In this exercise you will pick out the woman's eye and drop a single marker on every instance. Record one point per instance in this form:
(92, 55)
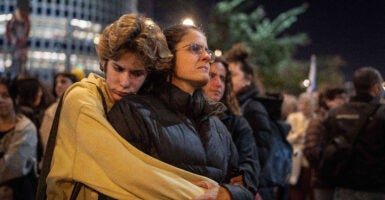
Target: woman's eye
(118, 69)
(196, 47)
(138, 73)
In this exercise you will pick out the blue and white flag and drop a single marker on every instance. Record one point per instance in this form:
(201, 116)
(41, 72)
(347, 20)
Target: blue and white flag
(312, 76)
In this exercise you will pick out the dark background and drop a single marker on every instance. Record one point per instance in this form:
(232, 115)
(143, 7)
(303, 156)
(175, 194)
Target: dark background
(352, 29)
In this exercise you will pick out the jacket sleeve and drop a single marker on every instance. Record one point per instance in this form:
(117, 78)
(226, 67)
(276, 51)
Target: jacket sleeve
(248, 153)
(312, 146)
(89, 150)
(238, 192)
(258, 118)
(19, 157)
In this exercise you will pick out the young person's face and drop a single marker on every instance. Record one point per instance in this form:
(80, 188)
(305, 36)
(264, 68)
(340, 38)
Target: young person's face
(6, 103)
(238, 77)
(191, 65)
(216, 86)
(125, 76)
(62, 83)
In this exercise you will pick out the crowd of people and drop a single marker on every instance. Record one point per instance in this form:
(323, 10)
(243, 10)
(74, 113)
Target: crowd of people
(170, 120)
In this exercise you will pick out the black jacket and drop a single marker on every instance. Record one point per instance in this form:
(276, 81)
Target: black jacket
(181, 130)
(366, 169)
(243, 138)
(275, 153)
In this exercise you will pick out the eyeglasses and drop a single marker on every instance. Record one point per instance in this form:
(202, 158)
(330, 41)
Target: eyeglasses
(198, 50)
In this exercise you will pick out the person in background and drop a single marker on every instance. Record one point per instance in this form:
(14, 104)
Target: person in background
(363, 176)
(61, 82)
(301, 173)
(263, 112)
(289, 105)
(32, 100)
(171, 119)
(18, 145)
(29, 98)
(329, 98)
(220, 89)
(90, 159)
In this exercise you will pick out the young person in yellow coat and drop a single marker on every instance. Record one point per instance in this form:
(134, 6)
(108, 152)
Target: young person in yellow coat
(90, 158)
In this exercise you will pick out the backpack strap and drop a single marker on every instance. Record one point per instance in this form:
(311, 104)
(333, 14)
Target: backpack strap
(352, 137)
(42, 186)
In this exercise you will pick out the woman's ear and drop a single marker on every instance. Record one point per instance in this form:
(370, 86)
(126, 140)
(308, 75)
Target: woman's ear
(249, 79)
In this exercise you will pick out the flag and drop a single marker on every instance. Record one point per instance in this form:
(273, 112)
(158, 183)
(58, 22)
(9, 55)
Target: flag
(312, 76)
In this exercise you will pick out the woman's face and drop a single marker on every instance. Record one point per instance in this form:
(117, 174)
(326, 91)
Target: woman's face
(62, 83)
(39, 96)
(6, 103)
(191, 67)
(305, 106)
(238, 77)
(216, 86)
(124, 76)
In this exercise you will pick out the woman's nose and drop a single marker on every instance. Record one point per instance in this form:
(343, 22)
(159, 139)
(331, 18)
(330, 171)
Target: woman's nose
(125, 81)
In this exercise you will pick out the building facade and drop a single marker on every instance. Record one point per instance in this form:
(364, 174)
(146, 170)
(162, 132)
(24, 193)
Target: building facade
(62, 33)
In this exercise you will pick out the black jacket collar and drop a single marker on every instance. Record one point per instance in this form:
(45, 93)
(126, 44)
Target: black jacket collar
(193, 106)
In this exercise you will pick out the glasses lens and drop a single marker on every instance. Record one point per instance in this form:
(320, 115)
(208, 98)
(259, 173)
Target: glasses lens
(196, 49)
(212, 55)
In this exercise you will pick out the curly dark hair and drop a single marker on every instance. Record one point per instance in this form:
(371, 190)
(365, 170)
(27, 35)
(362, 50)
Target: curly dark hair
(229, 98)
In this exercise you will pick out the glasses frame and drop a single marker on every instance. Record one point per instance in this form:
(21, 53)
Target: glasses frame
(199, 51)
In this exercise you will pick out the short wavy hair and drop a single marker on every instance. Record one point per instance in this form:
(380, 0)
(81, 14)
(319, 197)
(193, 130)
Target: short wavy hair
(138, 35)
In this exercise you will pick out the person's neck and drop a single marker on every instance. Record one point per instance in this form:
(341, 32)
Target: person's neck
(182, 85)
(7, 122)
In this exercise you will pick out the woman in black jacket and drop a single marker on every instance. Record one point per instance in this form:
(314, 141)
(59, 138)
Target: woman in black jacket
(171, 120)
(220, 89)
(263, 112)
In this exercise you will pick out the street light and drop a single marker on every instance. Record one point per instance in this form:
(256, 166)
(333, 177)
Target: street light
(218, 53)
(188, 21)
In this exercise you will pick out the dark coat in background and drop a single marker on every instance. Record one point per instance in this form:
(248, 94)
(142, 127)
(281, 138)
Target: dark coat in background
(365, 169)
(263, 113)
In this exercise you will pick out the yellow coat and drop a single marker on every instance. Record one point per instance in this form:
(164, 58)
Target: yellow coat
(90, 151)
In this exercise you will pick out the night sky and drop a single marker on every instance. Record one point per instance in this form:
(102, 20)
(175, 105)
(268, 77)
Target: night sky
(353, 29)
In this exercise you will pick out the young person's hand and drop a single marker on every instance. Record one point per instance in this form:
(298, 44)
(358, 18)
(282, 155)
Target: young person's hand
(213, 191)
(238, 180)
